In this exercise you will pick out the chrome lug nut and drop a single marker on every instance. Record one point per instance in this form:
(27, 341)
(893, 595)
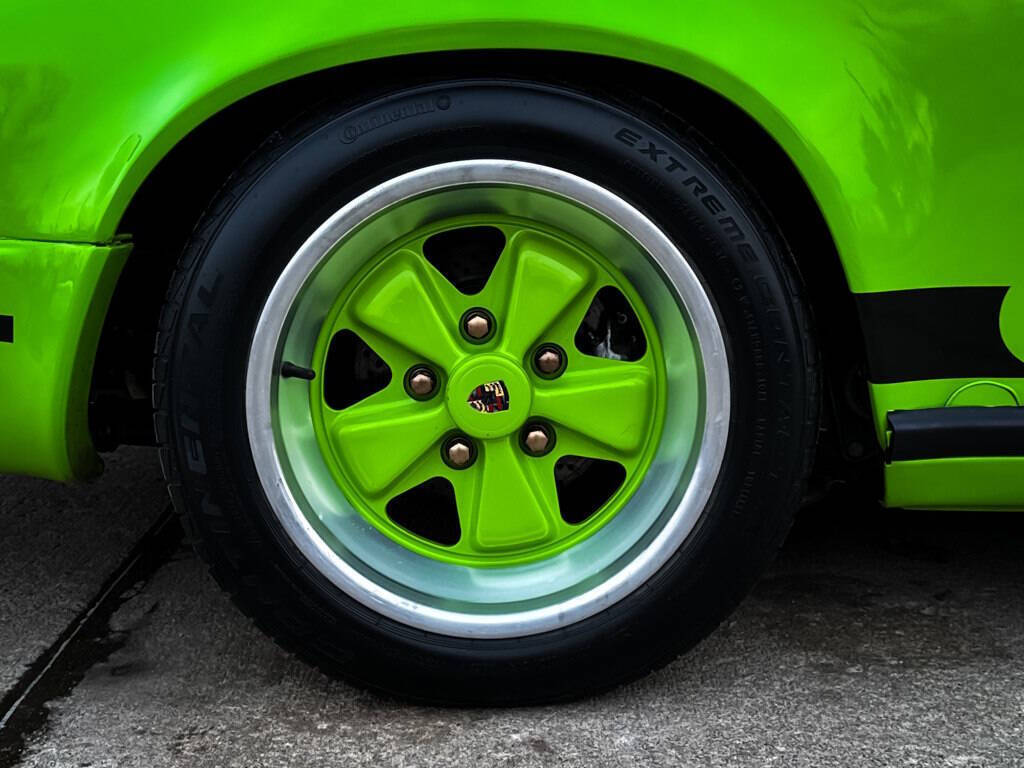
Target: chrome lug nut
(537, 439)
(549, 360)
(478, 325)
(421, 382)
(459, 453)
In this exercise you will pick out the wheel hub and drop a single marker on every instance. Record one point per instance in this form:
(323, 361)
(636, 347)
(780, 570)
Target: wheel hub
(489, 396)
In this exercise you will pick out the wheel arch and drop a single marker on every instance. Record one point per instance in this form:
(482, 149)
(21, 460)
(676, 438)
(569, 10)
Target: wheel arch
(159, 221)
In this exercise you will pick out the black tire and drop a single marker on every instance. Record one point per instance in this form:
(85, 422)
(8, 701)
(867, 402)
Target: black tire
(303, 174)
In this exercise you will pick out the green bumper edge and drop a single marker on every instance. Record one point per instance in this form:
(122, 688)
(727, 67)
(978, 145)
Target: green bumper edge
(53, 299)
(962, 483)
(966, 483)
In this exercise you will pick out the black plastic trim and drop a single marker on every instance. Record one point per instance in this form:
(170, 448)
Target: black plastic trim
(7, 329)
(940, 433)
(935, 333)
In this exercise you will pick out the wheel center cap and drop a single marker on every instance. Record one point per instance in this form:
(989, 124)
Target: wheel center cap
(489, 396)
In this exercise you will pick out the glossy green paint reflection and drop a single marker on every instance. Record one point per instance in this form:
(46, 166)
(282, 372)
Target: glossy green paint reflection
(507, 503)
(58, 294)
(896, 137)
(904, 118)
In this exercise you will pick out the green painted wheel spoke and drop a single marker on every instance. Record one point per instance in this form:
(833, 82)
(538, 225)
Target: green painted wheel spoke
(608, 402)
(399, 300)
(512, 507)
(573, 443)
(423, 468)
(409, 311)
(541, 276)
(563, 330)
(381, 438)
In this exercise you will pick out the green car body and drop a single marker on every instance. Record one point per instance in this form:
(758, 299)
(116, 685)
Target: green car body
(905, 121)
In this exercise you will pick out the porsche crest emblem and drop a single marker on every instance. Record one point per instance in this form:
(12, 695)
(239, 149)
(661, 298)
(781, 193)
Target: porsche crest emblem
(490, 397)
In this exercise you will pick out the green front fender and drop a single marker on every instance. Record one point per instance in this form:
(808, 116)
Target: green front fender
(886, 126)
(97, 94)
(901, 118)
(910, 149)
(56, 296)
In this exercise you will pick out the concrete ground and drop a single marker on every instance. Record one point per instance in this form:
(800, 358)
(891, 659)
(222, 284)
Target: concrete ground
(59, 543)
(880, 638)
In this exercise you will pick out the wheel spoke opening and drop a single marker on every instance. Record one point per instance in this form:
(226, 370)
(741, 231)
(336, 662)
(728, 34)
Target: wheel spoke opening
(465, 256)
(352, 371)
(429, 511)
(584, 485)
(611, 328)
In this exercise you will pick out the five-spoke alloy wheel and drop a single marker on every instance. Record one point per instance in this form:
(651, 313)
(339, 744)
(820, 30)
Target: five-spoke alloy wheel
(523, 501)
(475, 406)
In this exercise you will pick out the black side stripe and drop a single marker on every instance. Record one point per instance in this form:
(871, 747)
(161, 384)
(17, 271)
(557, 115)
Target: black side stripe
(935, 333)
(7, 328)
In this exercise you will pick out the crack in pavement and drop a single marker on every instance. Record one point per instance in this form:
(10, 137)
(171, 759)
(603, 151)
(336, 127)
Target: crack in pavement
(84, 642)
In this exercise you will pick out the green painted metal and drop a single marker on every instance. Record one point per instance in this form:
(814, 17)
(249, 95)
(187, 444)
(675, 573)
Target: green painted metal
(887, 128)
(58, 294)
(983, 482)
(901, 117)
(963, 483)
(409, 314)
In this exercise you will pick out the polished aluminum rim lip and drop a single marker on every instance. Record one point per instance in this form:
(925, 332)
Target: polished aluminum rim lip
(264, 359)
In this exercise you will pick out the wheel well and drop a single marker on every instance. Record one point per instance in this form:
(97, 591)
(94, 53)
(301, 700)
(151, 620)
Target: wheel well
(162, 215)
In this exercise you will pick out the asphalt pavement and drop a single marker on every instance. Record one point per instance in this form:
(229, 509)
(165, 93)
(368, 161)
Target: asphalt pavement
(879, 638)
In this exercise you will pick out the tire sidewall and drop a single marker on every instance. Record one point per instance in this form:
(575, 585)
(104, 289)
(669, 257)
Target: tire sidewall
(305, 173)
